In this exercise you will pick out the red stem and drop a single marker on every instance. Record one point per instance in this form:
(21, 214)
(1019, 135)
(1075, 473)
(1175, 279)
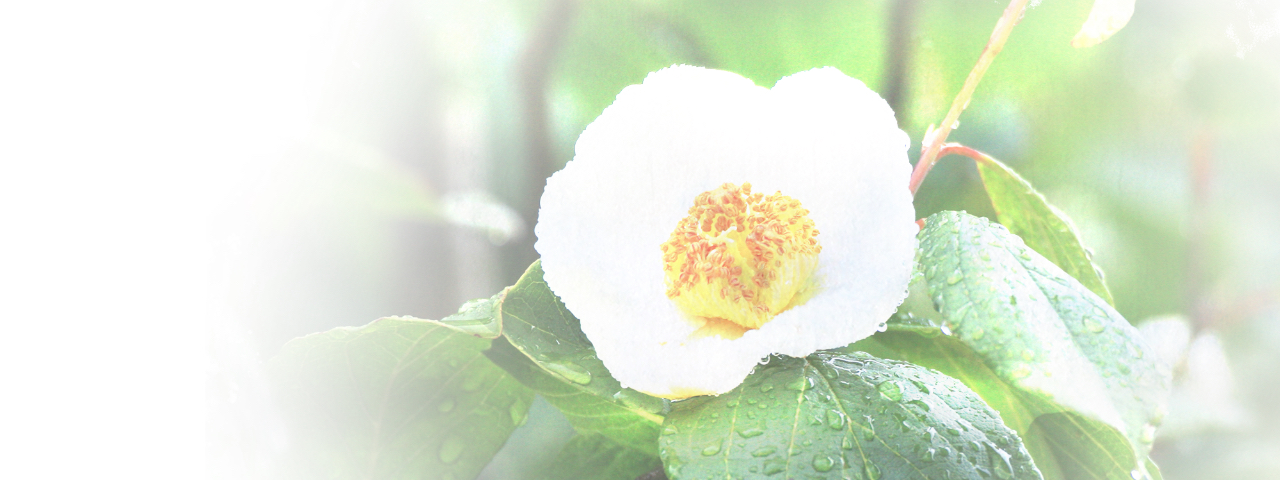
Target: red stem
(936, 138)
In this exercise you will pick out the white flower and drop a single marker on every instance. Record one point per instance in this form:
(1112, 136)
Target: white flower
(661, 325)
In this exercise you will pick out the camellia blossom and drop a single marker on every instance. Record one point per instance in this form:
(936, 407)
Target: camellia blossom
(706, 222)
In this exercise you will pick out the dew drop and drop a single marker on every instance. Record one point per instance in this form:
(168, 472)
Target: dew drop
(955, 278)
(846, 443)
(774, 468)
(920, 404)
(766, 387)
(1093, 325)
(670, 430)
(451, 449)
(711, 449)
(764, 451)
(873, 472)
(519, 413)
(868, 434)
(823, 463)
(446, 405)
(750, 432)
(570, 371)
(890, 390)
(835, 420)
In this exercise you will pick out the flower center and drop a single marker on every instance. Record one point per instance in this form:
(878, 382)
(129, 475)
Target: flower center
(740, 258)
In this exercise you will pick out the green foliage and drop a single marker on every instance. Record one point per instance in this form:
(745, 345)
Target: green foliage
(619, 418)
(400, 398)
(1045, 336)
(596, 457)
(842, 416)
(1045, 229)
(479, 317)
(548, 352)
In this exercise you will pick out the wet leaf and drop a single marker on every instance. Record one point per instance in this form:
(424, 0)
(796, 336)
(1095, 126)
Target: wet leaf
(397, 399)
(1105, 19)
(557, 360)
(835, 415)
(622, 419)
(480, 317)
(1045, 229)
(1062, 348)
(595, 457)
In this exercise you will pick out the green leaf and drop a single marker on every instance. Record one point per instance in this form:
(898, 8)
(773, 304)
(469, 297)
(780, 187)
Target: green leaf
(1059, 345)
(481, 317)
(552, 356)
(397, 398)
(596, 457)
(842, 416)
(623, 417)
(1045, 229)
(951, 357)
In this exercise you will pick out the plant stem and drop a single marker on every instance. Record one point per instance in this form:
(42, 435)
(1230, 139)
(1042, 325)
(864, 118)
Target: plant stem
(936, 138)
(958, 149)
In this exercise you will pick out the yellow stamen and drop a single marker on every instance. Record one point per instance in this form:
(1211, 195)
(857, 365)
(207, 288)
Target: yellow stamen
(740, 258)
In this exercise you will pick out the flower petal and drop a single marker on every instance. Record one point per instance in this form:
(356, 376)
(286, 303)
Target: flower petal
(819, 136)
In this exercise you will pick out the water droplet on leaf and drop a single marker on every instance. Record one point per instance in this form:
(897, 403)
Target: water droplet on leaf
(890, 390)
(451, 449)
(446, 405)
(823, 463)
(764, 451)
(1093, 325)
(835, 420)
(570, 371)
(751, 432)
(873, 472)
(519, 413)
(774, 467)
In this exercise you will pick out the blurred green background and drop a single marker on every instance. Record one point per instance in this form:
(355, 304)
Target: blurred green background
(416, 188)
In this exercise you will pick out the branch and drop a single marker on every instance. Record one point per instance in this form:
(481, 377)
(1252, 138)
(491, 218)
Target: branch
(934, 139)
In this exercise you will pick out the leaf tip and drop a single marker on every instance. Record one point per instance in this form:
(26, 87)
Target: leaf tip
(1105, 19)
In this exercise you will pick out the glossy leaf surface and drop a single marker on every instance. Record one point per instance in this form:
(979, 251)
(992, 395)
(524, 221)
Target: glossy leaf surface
(1063, 349)
(834, 415)
(396, 399)
(1048, 231)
